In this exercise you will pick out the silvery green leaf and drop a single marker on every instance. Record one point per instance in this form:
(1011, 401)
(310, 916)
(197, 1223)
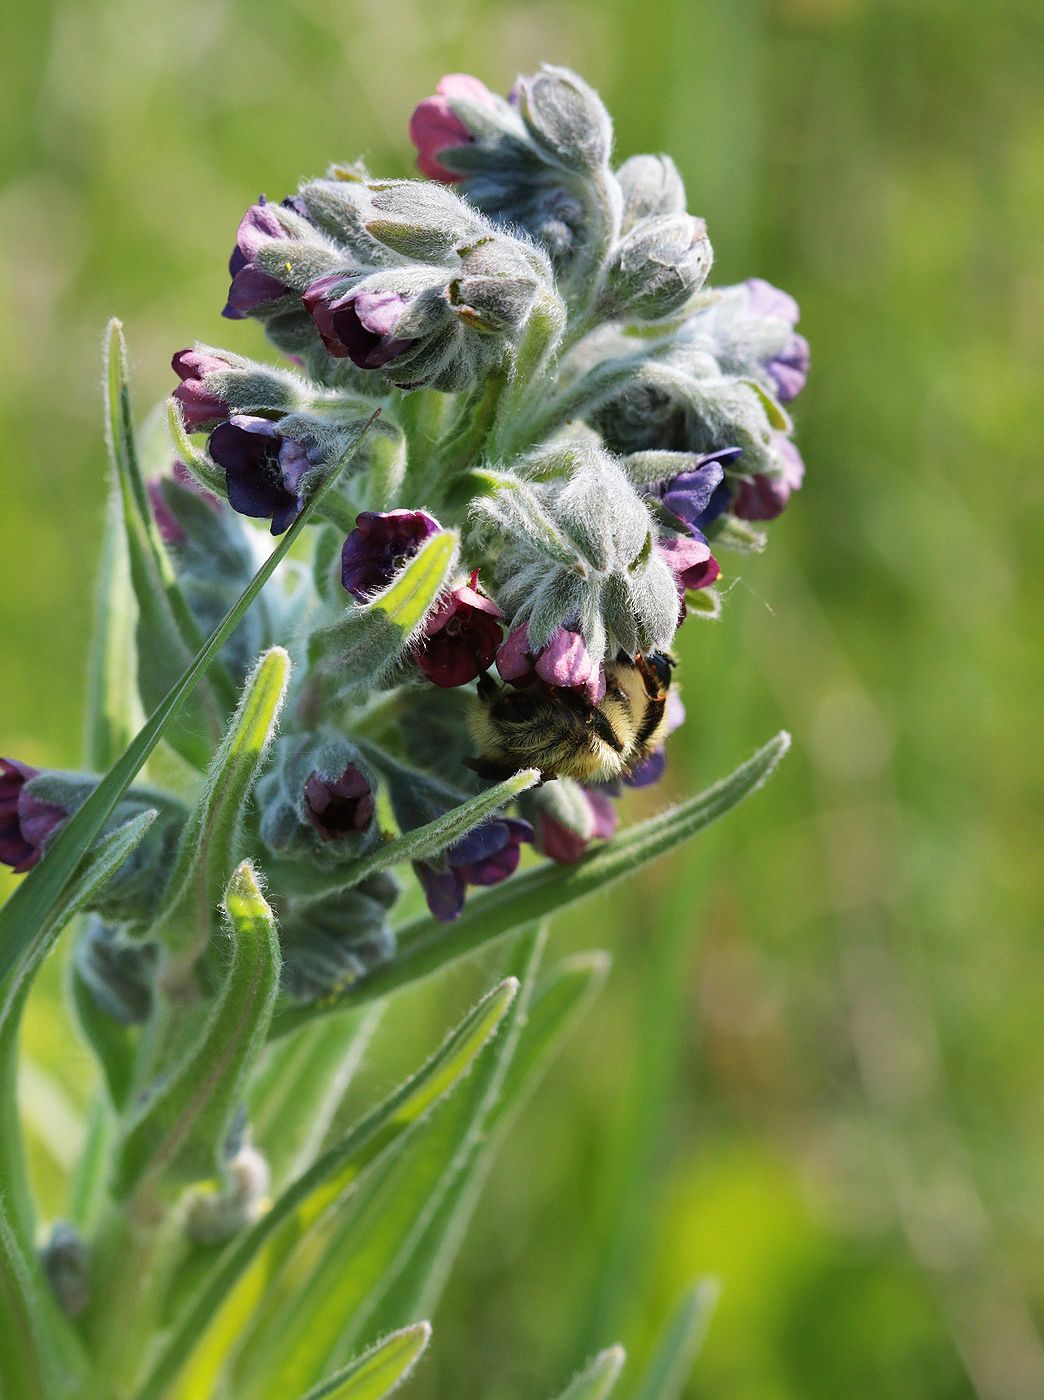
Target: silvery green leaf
(113, 705)
(559, 998)
(422, 220)
(178, 1133)
(296, 263)
(740, 536)
(202, 1335)
(598, 1378)
(212, 837)
(378, 1371)
(647, 468)
(329, 1296)
(651, 186)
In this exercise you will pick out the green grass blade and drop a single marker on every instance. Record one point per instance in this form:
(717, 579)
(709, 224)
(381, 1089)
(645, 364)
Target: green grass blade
(26, 910)
(426, 945)
(378, 1371)
(208, 1327)
(671, 1364)
(209, 846)
(598, 1378)
(26, 1369)
(179, 1133)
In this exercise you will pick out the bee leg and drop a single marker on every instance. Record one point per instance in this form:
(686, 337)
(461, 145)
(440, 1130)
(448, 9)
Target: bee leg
(487, 768)
(487, 687)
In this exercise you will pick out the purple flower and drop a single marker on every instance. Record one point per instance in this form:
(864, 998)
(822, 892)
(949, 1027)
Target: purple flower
(460, 638)
(339, 806)
(380, 545)
(263, 469)
(485, 856)
(788, 367)
(252, 287)
(698, 496)
(564, 662)
(566, 846)
(357, 325)
(201, 408)
(26, 822)
(763, 497)
(434, 127)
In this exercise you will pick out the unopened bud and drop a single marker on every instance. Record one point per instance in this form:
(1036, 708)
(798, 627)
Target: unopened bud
(566, 118)
(651, 186)
(658, 267)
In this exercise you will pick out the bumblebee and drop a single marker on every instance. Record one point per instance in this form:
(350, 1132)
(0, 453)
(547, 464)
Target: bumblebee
(563, 733)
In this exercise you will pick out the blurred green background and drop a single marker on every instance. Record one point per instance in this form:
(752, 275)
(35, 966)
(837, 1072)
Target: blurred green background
(816, 1070)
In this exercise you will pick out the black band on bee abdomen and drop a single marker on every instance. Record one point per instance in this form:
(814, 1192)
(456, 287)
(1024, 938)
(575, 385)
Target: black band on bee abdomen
(650, 721)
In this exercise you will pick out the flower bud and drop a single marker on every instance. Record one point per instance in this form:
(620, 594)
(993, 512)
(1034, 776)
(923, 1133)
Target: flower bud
(435, 126)
(380, 545)
(357, 325)
(764, 496)
(252, 287)
(317, 800)
(650, 186)
(118, 971)
(460, 638)
(566, 118)
(658, 267)
(563, 663)
(200, 407)
(332, 942)
(27, 822)
(66, 1267)
(569, 817)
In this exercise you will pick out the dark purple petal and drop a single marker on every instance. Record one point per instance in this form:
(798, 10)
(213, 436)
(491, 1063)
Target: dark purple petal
(358, 325)
(339, 806)
(649, 770)
(461, 638)
(380, 545)
(263, 470)
(26, 821)
(200, 407)
(443, 890)
(251, 287)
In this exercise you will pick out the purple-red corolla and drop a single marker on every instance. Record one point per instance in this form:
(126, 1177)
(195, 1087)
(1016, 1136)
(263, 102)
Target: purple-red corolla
(26, 821)
(485, 856)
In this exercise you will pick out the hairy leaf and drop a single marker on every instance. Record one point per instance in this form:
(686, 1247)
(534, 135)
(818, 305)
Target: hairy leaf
(378, 1371)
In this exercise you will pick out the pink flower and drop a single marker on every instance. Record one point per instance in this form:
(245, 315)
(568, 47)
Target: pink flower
(564, 662)
(566, 845)
(201, 408)
(435, 127)
(764, 497)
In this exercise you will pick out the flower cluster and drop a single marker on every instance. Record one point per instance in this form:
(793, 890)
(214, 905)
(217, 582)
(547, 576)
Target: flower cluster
(573, 426)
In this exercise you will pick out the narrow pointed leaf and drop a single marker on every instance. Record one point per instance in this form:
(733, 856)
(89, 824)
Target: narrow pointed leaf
(378, 1371)
(671, 1364)
(328, 1299)
(103, 862)
(113, 707)
(26, 910)
(367, 641)
(598, 1378)
(559, 998)
(296, 1094)
(201, 1337)
(167, 633)
(179, 1133)
(426, 945)
(209, 846)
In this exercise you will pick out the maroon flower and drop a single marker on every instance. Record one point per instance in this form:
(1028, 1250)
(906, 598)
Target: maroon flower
(566, 845)
(252, 287)
(485, 856)
(263, 469)
(380, 545)
(26, 822)
(167, 523)
(563, 662)
(764, 497)
(435, 127)
(460, 638)
(201, 408)
(339, 806)
(357, 325)
(691, 561)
